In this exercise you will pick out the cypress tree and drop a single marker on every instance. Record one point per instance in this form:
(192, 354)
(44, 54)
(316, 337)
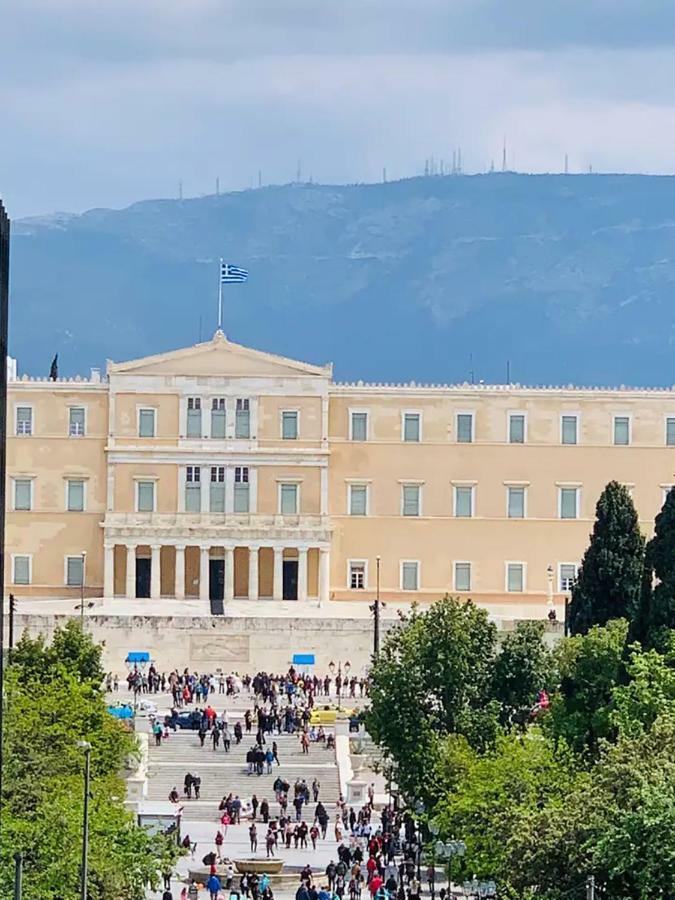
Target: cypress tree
(609, 584)
(658, 606)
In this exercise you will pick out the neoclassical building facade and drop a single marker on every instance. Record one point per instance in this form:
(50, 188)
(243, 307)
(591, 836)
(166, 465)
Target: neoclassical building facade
(218, 472)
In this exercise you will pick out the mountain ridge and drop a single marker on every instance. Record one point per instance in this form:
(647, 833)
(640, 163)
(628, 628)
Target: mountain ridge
(569, 278)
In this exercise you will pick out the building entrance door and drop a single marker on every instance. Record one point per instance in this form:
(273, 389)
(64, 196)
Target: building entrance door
(290, 579)
(216, 585)
(143, 572)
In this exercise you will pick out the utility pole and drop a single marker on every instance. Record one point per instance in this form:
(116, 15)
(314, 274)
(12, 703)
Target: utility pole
(590, 887)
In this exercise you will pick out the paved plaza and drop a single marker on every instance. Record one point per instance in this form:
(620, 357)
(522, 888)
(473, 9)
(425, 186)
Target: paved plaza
(222, 773)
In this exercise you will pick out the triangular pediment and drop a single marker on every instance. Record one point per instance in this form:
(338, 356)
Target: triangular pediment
(218, 357)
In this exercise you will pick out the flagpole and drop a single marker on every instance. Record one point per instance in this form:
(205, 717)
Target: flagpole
(220, 294)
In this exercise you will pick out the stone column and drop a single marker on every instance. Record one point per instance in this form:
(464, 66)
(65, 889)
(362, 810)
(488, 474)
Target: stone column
(109, 571)
(324, 575)
(204, 573)
(179, 589)
(253, 572)
(131, 572)
(278, 589)
(155, 572)
(302, 573)
(229, 573)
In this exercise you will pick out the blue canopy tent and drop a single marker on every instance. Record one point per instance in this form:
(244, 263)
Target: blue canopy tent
(137, 658)
(303, 662)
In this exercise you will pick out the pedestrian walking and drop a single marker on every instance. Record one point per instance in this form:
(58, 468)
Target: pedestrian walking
(213, 886)
(219, 844)
(316, 787)
(253, 837)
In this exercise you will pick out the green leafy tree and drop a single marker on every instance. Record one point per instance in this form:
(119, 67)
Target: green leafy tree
(648, 694)
(519, 774)
(609, 583)
(590, 667)
(71, 650)
(523, 667)
(617, 822)
(656, 616)
(53, 700)
(433, 677)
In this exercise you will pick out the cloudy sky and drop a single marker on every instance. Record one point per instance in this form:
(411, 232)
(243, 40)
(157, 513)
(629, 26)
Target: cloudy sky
(103, 102)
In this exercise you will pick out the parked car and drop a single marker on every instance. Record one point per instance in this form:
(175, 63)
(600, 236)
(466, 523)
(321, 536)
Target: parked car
(189, 720)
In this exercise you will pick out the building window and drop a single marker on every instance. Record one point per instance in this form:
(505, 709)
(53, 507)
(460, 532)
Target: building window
(358, 426)
(217, 490)
(288, 499)
(76, 421)
(194, 417)
(23, 494)
(357, 575)
(464, 428)
(515, 577)
(218, 413)
(569, 503)
(289, 425)
(24, 420)
(146, 423)
(411, 427)
(242, 419)
(75, 495)
(569, 429)
(621, 430)
(241, 490)
(463, 501)
(74, 571)
(358, 500)
(145, 496)
(21, 566)
(516, 428)
(193, 489)
(411, 500)
(462, 576)
(515, 503)
(410, 575)
(670, 431)
(568, 575)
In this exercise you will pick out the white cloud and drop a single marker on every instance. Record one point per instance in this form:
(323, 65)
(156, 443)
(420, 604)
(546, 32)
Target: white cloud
(106, 103)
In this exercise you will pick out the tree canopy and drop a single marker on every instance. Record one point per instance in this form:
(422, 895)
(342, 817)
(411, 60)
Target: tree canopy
(54, 700)
(610, 579)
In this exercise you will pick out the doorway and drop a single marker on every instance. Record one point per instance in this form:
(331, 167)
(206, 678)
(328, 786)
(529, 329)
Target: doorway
(217, 586)
(290, 591)
(143, 573)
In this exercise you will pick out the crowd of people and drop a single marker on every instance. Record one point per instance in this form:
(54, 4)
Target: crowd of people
(192, 687)
(378, 859)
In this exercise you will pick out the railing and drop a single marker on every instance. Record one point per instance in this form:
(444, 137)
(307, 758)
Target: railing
(210, 520)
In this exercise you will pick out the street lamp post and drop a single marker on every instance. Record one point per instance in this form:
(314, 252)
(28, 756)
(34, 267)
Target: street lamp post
(340, 666)
(86, 746)
(84, 563)
(433, 828)
(449, 850)
(375, 609)
(18, 875)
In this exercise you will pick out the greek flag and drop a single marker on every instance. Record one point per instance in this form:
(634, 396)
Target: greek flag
(232, 274)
